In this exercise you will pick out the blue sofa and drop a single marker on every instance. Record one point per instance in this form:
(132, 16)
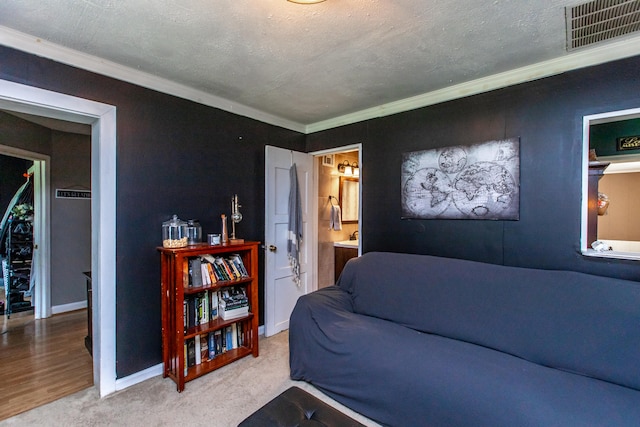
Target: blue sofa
(416, 340)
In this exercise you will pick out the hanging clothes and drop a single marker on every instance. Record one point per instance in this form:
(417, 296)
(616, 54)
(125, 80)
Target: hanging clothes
(295, 224)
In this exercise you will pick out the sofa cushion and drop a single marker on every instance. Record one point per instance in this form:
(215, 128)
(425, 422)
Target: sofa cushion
(400, 376)
(565, 320)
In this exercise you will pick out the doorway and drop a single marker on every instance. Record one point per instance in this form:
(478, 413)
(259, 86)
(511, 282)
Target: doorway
(39, 295)
(281, 292)
(334, 169)
(43, 348)
(287, 173)
(102, 118)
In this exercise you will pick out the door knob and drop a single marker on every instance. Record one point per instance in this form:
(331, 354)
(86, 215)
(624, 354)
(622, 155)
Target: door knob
(272, 248)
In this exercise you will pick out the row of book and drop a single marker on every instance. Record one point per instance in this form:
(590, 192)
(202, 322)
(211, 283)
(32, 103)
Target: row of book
(205, 347)
(227, 303)
(208, 270)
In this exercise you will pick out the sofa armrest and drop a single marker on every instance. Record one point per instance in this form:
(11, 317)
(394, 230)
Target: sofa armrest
(309, 324)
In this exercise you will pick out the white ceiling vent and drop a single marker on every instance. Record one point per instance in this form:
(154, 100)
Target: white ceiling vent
(600, 20)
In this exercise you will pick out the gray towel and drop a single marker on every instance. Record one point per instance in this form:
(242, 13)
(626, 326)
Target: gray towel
(295, 224)
(335, 221)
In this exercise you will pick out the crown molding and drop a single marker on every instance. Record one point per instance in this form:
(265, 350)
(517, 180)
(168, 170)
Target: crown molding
(34, 45)
(580, 59)
(629, 46)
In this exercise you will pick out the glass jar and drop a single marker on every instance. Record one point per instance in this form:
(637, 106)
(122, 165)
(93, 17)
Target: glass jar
(194, 232)
(174, 233)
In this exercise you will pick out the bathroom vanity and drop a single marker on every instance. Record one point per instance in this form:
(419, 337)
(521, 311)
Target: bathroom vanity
(343, 252)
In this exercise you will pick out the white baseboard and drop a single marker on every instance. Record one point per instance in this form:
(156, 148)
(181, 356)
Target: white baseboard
(72, 306)
(138, 377)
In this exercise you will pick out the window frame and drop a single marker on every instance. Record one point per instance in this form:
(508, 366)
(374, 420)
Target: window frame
(587, 122)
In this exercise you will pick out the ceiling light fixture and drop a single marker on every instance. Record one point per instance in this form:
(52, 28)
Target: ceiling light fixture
(349, 169)
(306, 1)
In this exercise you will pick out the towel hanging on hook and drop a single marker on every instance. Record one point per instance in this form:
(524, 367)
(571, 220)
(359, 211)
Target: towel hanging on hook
(335, 218)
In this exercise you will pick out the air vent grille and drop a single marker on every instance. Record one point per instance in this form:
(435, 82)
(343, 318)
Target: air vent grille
(601, 20)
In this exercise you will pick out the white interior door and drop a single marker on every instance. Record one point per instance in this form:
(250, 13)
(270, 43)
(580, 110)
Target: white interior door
(281, 291)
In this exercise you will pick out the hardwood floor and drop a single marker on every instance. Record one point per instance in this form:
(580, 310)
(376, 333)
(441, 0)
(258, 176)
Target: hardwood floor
(42, 360)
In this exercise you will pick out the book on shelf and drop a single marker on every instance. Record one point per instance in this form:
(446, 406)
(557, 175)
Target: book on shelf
(224, 268)
(237, 260)
(234, 313)
(185, 315)
(233, 297)
(211, 345)
(204, 347)
(214, 305)
(234, 334)
(203, 301)
(191, 312)
(218, 341)
(229, 337)
(191, 352)
(206, 279)
(228, 303)
(198, 354)
(223, 339)
(218, 272)
(233, 303)
(207, 346)
(212, 275)
(234, 270)
(185, 370)
(195, 272)
(222, 273)
(200, 308)
(216, 268)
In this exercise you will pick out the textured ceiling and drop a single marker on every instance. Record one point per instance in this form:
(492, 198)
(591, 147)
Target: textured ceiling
(303, 63)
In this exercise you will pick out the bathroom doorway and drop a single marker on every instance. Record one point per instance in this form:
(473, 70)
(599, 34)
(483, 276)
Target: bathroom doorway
(339, 193)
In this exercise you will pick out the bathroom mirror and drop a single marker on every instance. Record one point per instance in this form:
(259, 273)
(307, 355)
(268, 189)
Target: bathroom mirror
(349, 199)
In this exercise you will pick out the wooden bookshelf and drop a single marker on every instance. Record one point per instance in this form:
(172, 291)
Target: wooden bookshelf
(175, 280)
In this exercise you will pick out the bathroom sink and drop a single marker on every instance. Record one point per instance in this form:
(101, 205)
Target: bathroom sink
(347, 244)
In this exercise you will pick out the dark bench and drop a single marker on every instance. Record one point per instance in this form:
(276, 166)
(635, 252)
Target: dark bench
(296, 407)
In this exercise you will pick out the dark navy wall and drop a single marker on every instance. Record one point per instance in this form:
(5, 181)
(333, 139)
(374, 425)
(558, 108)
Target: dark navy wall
(173, 157)
(547, 117)
(176, 156)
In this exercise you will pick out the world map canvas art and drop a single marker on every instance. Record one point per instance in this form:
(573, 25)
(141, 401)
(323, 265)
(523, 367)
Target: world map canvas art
(480, 181)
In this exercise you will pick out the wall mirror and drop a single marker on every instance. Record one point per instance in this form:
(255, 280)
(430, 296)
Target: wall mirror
(349, 199)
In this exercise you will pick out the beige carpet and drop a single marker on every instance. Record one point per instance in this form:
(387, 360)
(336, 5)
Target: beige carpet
(222, 398)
